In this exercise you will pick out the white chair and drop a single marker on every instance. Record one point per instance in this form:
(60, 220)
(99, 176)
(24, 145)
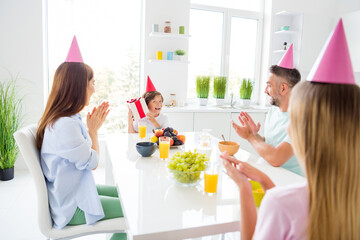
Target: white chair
(25, 139)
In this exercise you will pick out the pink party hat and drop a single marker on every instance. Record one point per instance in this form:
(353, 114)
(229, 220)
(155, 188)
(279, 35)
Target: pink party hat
(287, 61)
(333, 65)
(149, 85)
(74, 54)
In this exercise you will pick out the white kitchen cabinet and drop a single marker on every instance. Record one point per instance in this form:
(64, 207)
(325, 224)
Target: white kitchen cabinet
(218, 122)
(181, 121)
(257, 117)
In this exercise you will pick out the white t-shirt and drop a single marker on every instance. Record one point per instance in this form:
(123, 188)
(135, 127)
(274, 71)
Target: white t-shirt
(162, 119)
(275, 133)
(283, 213)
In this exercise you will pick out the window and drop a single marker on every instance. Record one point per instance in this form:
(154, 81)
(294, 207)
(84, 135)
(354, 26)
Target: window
(242, 51)
(249, 5)
(109, 39)
(205, 45)
(225, 42)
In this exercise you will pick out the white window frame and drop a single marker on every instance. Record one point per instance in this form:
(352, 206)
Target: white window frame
(228, 13)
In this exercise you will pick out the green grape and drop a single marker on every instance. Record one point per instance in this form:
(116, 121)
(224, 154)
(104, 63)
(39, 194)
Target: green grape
(187, 166)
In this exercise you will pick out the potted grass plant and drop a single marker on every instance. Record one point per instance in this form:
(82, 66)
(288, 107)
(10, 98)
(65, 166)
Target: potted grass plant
(219, 89)
(10, 118)
(202, 89)
(246, 89)
(180, 54)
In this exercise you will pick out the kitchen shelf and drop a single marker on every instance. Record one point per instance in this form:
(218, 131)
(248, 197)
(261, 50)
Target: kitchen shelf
(291, 36)
(286, 32)
(168, 35)
(285, 13)
(166, 61)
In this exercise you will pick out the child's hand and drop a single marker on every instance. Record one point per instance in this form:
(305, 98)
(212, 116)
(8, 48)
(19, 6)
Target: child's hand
(130, 115)
(151, 117)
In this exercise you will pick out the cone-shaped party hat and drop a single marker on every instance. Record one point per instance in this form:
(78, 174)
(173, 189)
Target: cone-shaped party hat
(287, 61)
(333, 65)
(149, 85)
(74, 54)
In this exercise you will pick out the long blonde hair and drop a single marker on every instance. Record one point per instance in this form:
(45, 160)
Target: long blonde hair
(325, 130)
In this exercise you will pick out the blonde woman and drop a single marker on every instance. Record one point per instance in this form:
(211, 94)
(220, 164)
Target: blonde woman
(325, 132)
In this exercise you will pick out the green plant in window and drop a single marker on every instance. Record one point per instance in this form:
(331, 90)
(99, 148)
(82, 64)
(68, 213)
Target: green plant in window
(202, 86)
(10, 119)
(246, 88)
(180, 52)
(219, 87)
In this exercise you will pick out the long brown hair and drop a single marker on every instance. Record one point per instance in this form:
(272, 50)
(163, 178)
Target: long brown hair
(67, 96)
(325, 130)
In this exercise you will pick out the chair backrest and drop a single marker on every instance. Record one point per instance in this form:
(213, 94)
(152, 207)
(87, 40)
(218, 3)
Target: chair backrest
(26, 140)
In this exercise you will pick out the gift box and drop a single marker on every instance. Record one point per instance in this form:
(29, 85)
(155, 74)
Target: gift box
(138, 107)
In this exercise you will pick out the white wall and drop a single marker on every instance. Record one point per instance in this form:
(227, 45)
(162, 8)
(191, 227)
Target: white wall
(21, 53)
(320, 18)
(318, 23)
(350, 10)
(346, 6)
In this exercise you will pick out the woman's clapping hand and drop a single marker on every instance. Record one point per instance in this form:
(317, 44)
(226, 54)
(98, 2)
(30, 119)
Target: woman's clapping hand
(96, 118)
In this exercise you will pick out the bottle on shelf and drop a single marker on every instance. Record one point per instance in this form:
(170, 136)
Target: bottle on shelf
(172, 100)
(167, 28)
(285, 44)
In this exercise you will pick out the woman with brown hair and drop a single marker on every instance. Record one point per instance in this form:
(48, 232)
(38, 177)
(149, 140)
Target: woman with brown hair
(325, 132)
(70, 150)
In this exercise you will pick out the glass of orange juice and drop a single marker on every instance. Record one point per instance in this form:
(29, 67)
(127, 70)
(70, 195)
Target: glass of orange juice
(164, 147)
(142, 131)
(211, 178)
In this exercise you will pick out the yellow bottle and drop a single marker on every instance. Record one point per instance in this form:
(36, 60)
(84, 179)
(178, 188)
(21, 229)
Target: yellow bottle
(211, 181)
(159, 55)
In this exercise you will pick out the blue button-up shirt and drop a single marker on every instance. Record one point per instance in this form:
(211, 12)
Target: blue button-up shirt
(67, 160)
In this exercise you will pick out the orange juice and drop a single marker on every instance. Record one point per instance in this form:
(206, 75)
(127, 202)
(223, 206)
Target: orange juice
(142, 131)
(164, 149)
(211, 181)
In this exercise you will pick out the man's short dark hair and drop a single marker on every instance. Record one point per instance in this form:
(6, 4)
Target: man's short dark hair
(292, 76)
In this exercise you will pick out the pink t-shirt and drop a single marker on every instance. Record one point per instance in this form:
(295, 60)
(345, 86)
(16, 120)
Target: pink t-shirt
(283, 213)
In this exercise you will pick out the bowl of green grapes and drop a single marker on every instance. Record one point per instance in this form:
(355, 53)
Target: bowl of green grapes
(187, 167)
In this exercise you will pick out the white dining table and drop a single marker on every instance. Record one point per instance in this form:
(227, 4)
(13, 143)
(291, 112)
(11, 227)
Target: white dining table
(157, 207)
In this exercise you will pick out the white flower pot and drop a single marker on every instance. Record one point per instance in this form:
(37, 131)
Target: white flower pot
(219, 101)
(180, 57)
(245, 102)
(203, 101)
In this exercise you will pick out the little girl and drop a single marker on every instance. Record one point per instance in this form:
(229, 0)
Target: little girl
(154, 119)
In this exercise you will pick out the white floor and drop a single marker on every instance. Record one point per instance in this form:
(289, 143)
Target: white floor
(18, 216)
